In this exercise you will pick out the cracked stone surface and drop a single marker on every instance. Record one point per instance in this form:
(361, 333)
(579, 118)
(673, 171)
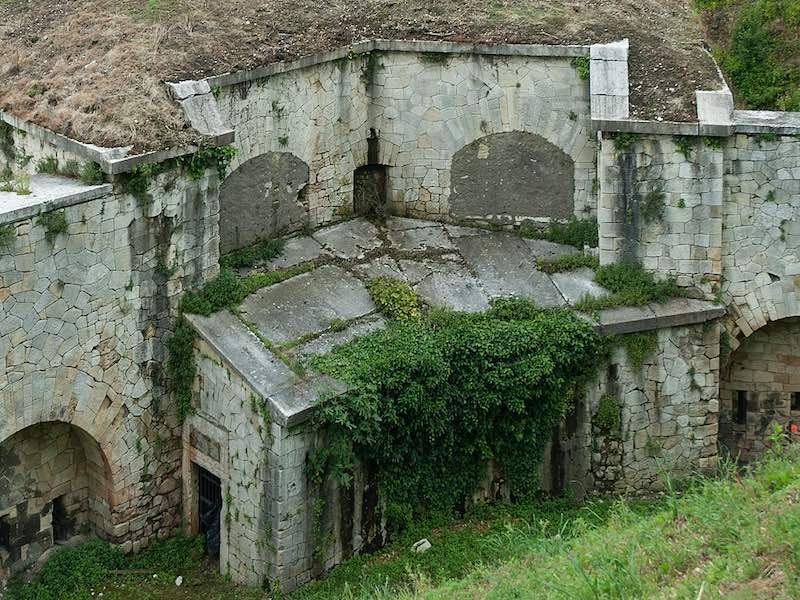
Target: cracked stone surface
(349, 239)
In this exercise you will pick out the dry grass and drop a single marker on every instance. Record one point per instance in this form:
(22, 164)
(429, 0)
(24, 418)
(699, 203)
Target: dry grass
(101, 64)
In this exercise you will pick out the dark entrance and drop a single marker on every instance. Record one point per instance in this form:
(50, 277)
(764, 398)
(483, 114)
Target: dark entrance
(62, 524)
(369, 191)
(209, 509)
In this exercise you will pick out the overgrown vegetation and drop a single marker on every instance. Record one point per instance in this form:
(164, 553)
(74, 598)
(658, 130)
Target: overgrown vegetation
(71, 573)
(638, 346)
(92, 174)
(394, 298)
(757, 42)
(258, 252)
(432, 399)
(684, 145)
(582, 65)
(625, 141)
(572, 233)
(653, 205)
(54, 223)
(607, 418)
(734, 536)
(567, 262)
(8, 233)
(630, 285)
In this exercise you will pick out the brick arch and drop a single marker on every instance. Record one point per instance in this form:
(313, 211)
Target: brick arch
(766, 303)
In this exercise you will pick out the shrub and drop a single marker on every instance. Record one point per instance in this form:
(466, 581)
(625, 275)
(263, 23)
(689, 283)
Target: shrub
(638, 346)
(572, 233)
(630, 285)
(47, 165)
(567, 262)
(607, 418)
(582, 65)
(92, 174)
(181, 367)
(394, 298)
(54, 223)
(432, 399)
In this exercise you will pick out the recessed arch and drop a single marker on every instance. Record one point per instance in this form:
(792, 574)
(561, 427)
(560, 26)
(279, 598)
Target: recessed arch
(515, 175)
(55, 482)
(262, 198)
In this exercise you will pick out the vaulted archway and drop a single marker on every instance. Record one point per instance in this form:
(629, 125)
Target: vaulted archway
(55, 482)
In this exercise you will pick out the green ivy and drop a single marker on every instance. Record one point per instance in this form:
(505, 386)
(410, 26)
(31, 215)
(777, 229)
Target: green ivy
(92, 174)
(684, 144)
(394, 298)
(607, 418)
(638, 346)
(625, 141)
(582, 65)
(432, 399)
(181, 367)
(208, 157)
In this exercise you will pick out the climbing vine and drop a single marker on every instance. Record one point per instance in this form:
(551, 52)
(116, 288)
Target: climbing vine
(432, 399)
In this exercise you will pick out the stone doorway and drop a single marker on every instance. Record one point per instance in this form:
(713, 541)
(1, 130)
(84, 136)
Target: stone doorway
(209, 510)
(369, 191)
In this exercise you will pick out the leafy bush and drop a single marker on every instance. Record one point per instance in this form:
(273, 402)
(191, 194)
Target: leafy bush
(582, 65)
(181, 367)
(54, 223)
(760, 55)
(260, 251)
(572, 233)
(630, 285)
(432, 399)
(394, 298)
(70, 572)
(92, 174)
(567, 262)
(638, 346)
(47, 165)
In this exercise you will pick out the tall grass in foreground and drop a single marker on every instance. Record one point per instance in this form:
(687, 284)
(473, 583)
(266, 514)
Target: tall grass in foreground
(735, 536)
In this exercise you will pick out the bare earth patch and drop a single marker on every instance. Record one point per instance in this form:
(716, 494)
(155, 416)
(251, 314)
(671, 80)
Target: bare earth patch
(94, 69)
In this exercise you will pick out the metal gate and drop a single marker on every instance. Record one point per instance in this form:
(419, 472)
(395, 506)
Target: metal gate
(209, 508)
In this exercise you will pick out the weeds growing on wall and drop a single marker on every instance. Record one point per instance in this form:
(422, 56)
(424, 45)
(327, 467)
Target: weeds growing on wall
(653, 205)
(567, 262)
(572, 233)
(181, 367)
(582, 66)
(54, 223)
(684, 144)
(607, 418)
(639, 346)
(48, 165)
(92, 174)
(7, 235)
(432, 399)
(625, 141)
(630, 285)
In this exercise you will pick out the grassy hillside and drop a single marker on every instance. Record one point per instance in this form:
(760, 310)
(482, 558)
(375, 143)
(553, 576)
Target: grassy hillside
(735, 536)
(757, 44)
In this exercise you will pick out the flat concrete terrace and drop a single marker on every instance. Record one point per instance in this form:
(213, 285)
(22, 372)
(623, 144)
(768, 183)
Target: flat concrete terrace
(456, 267)
(47, 192)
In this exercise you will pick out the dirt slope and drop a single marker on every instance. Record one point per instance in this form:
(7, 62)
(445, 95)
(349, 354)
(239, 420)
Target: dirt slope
(93, 69)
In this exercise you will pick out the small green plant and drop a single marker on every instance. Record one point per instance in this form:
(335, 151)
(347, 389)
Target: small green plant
(625, 141)
(630, 285)
(582, 65)
(209, 157)
(36, 89)
(771, 196)
(573, 116)
(260, 251)
(681, 203)
(394, 298)
(567, 262)
(7, 186)
(607, 418)
(638, 346)
(713, 142)
(181, 367)
(71, 168)
(283, 141)
(22, 184)
(684, 145)
(7, 235)
(653, 205)
(767, 137)
(48, 165)
(92, 174)
(216, 91)
(54, 223)
(277, 109)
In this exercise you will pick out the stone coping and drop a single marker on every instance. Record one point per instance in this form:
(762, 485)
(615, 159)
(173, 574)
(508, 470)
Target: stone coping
(48, 192)
(292, 399)
(381, 45)
(766, 121)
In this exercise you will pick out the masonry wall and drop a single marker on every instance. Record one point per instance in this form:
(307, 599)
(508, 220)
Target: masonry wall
(662, 208)
(412, 113)
(761, 235)
(230, 436)
(669, 411)
(83, 319)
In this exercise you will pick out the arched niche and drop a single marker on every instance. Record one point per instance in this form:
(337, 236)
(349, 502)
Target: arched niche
(515, 174)
(262, 199)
